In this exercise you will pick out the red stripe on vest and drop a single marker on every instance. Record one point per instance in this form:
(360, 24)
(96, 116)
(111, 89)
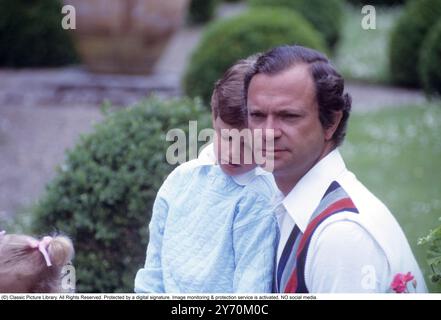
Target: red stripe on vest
(336, 206)
(291, 286)
(341, 204)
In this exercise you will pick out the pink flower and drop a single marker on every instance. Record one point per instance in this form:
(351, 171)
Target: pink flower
(399, 284)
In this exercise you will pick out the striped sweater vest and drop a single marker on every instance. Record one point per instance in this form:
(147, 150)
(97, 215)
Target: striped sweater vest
(290, 273)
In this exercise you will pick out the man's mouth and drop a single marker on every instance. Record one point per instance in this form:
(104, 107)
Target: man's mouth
(229, 163)
(273, 150)
(232, 165)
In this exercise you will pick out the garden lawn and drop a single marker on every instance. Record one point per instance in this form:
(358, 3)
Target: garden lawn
(363, 54)
(396, 153)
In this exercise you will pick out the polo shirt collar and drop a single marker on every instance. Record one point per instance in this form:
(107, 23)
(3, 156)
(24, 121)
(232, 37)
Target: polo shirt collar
(306, 195)
(208, 157)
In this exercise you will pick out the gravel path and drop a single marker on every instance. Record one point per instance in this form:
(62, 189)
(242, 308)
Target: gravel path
(368, 97)
(32, 142)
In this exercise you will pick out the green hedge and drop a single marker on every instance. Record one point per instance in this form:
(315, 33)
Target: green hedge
(433, 243)
(407, 38)
(103, 194)
(226, 41)
(325, 16)
(430, 61)
(31, 34)
(201, 11)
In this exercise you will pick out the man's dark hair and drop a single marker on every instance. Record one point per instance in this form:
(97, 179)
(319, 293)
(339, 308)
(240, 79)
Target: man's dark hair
(329, 84)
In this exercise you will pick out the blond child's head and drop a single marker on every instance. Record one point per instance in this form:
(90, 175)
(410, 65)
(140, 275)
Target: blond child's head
(28, 265)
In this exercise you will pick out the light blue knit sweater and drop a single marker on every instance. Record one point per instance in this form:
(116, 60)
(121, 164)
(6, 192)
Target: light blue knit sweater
(210, 234)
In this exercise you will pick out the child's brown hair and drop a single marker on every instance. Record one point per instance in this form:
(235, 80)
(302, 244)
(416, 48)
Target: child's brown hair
(29, 265)
(228, 98)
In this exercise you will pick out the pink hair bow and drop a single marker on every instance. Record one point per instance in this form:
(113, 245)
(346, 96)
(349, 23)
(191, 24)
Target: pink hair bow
(42, 247)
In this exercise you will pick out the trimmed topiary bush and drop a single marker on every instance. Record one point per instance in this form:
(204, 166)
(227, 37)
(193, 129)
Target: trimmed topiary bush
(31, 34)
(227, 41)
(201, 11)
(407, 38)
(325, 16)
(430, 61)
(103, 194)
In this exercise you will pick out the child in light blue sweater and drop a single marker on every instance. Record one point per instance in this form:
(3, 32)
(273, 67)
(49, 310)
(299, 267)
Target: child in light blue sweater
(212, 228)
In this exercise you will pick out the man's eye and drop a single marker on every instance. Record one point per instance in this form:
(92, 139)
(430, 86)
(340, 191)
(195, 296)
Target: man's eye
(256, 115)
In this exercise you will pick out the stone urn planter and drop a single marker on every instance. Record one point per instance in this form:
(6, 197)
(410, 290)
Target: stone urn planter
(125, 36)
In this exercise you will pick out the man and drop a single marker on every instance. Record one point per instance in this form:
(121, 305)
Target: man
(336, 236)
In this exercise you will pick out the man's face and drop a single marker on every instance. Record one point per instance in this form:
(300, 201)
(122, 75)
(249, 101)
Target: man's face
(286, 103)
(230, 150)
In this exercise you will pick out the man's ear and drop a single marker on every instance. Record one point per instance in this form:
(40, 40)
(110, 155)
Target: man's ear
(329, 132)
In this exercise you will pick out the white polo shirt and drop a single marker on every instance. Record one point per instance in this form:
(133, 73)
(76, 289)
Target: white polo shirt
(348, 252)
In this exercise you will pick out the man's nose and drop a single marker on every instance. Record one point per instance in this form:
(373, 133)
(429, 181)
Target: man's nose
(272, 129)
(234, 156)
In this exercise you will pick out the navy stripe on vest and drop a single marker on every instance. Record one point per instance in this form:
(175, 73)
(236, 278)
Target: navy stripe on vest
(335, 200)
(286, 253)
(301, 260)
